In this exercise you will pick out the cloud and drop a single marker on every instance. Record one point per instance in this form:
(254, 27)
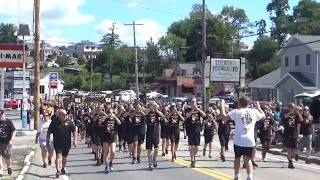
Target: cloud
(132, 4)
(53, 12)
(149, 29)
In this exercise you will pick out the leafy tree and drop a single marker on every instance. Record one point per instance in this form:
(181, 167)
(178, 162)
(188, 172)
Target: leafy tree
(7, 33)
(111, 39)
(172, 47)
(279, 18)
(63, 60)
(261, 27)
(305, 18)
(263, 50)
(75, 55)
(153, 58)
(81, 60)
(62, 48)
(269, 66)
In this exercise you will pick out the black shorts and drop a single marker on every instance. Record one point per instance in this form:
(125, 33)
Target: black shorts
(109, 137)
(152, 142)
(138, 135)
(97, 139)
(175, 135)
(208, 135)
(224, 139)
(242, 151)
(194, 139)
(165, 132)
(62, 149)
(88, 131)
(290, 142)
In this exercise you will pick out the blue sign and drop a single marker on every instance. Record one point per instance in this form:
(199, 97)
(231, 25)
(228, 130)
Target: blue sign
(53, 76)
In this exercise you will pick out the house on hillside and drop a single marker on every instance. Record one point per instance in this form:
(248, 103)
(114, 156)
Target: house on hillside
(85, 49)
(299, 71)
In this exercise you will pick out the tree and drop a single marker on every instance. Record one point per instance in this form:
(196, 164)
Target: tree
(63, 60)
(7, 33)
(305, 18)
(153, 58)
(261, 27)
(111, 38)
(62, 48)
(81, 60)
(172, 47)
(279, 18)
(263, 50)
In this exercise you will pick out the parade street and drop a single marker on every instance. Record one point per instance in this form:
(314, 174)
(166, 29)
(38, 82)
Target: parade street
(81, 166)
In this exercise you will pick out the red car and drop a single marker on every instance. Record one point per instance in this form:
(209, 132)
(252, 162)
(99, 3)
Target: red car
(12, 104)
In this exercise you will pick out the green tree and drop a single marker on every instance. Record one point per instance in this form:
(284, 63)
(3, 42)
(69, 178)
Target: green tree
(111, 38)
(172, 47)
(62, 48)
(81, 60)
(63, 60)
(153, 58)
(7, 33)
(279, 18)
(262, 52)
(305, 18)
(261, 27)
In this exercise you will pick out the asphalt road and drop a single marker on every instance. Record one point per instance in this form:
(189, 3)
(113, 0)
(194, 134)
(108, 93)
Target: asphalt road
(81, 166)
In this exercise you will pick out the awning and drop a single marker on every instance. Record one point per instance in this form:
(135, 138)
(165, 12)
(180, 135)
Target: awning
(189, 85)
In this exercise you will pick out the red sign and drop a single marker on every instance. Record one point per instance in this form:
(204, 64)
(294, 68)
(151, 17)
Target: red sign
(53, 86)
(11, 55)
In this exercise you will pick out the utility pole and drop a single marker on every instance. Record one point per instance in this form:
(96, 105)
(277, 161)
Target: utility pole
(37, 65)
(204, 47)
(136, 56)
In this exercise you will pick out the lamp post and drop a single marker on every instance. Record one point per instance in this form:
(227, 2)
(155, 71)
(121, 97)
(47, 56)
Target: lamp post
(24, 31)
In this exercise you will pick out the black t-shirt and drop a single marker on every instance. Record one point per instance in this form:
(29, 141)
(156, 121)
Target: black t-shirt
(306, 126)
(138, 122)
(110, 125)
(224, 127)
(290, 125)
(194, 123)
(6, 129)
(209, 124)
(174, 120)
(62, 132)
(265, 127)
(153, 123)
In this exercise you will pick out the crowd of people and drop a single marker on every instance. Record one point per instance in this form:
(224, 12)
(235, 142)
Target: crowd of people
(106, 126)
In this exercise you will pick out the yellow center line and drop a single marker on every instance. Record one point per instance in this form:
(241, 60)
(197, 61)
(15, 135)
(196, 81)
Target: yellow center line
(200, 169)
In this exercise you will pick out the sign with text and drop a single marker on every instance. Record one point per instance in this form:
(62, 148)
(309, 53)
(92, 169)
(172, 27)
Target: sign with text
(53, 80)
(11, 55)
(225, 70)
(19, 84)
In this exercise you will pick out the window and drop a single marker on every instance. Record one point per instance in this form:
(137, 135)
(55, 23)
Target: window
(286, 61)
(87, 47)
(184, 72)
(42, 89)
(308, 59)
(296, 60)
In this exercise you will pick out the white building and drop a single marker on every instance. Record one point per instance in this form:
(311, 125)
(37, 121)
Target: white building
(45, 86)
(85, 49)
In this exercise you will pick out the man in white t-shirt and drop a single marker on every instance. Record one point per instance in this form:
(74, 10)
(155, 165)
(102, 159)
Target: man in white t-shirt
(245, 119)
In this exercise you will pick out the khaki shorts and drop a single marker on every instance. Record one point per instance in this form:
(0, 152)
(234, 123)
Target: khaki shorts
(5, 150)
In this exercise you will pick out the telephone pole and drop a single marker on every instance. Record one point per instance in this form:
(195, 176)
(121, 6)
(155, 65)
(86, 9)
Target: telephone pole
(204, 47)
(37, 64)
(136, 56)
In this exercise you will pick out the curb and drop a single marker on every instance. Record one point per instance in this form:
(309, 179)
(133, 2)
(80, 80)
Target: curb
(315, 161)
(27, 164)
(25, 133)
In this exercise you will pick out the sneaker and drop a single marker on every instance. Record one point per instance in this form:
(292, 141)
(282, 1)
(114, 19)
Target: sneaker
(249, 178)
(193, 164)
(265, 160)
(138, 160)
(210, 156)
(290, 165)
(49, 162)
(124, 147)
(155, 164)
(308, 161)
(98, 162)
(58, 174)
(297, 157)
(134, 162)
(204, 152)
(110, 166)
(9, 171)
(163, 154)
(254, 164)
(167, 151)
(223, 159)
(63, 171)
(236, 178)
(151, 167)
(172, 159)
(106, 169)
(44, 165)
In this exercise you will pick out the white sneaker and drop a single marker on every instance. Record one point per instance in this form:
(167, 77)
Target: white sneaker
(248, 178)
(265, 160)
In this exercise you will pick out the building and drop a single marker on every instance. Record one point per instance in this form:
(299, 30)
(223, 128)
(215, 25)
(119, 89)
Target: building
(49, 52)
(299, 71)
(85, 49)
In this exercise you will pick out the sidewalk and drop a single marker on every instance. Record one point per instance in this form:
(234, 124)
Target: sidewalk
(277, 150)
(36, 171)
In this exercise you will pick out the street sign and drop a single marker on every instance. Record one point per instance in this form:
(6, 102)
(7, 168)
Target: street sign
(53, 80)
(18, 84)
(11, 55)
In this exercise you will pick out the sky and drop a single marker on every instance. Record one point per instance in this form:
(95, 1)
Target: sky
(64, 22)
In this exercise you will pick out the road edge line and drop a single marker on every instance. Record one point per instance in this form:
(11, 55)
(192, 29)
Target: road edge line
(27, 163)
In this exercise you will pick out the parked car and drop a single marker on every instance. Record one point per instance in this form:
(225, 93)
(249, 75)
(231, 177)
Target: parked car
(12, 104)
